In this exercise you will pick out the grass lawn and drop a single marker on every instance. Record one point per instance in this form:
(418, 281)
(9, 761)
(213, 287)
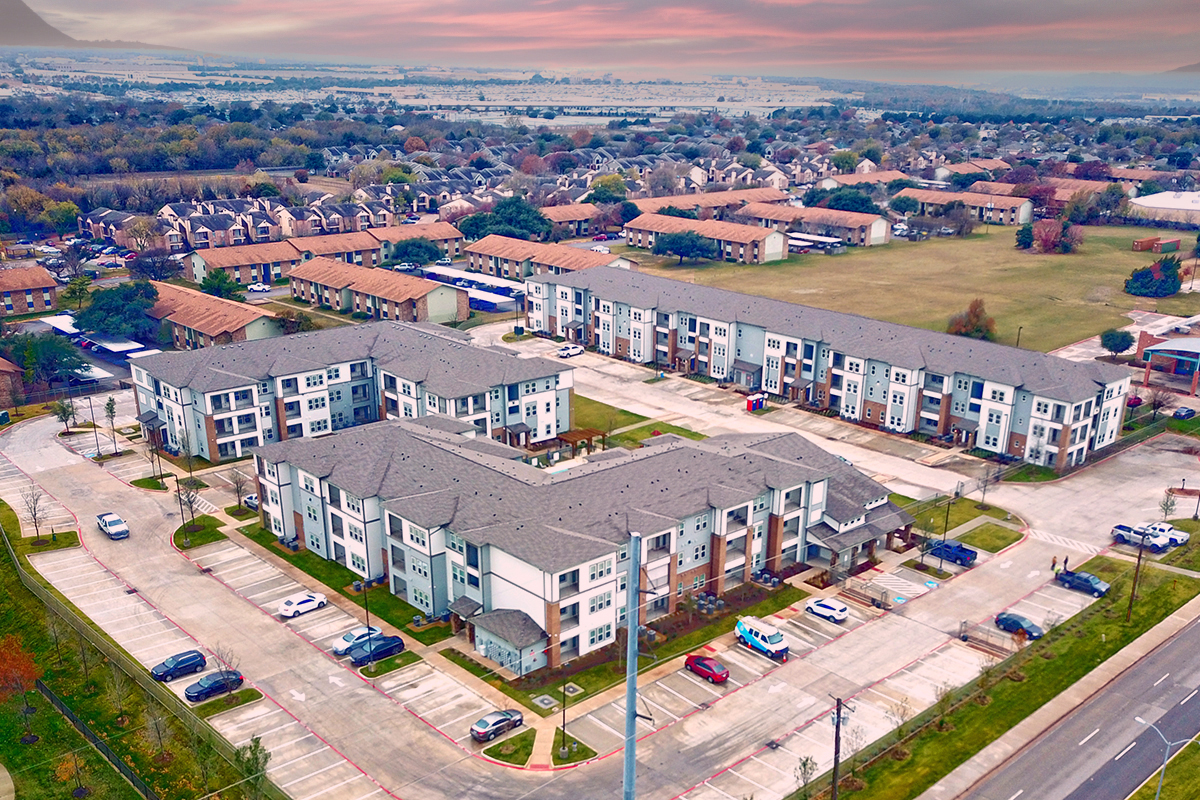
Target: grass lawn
(390, 664)
(219, 705)
(384, 604)
(198, 462)
(929, 569)
(319, 318)
(1188, 556)
(990, 537)
(240, 512)
(1077, 646)
(515, 749)
(207, 534)
(930, 515)
(591, 413)
(1057, 299)
(1181, 780)
(149, 483)
(1031, 473)
(577, 750)
(633, 437)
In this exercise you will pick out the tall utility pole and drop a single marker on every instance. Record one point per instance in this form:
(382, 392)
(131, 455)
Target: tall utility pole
(837, 744)
(632, 602)
(1137, 571)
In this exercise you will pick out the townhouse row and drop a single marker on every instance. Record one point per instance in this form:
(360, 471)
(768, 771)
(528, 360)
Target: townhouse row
(218, 402)
(535, 565)
(1020, 403)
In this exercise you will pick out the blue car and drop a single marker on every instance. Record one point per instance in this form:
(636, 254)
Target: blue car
(1008, 621)
(219, 682)
(376, 649)
(1184, 413)
(183, 663)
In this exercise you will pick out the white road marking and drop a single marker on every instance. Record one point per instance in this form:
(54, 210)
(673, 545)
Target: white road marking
(718, 791)
(1126, 750)
(328, 789)
(309, 775)
(703, 686)
(1018, 794)
(1085, 739)
(1189, 697)
(768, 766)
(607, 728)
(677, 694)
(1160, 680)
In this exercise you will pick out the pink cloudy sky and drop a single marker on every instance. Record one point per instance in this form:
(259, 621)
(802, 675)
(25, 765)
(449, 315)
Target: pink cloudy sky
(865, 38)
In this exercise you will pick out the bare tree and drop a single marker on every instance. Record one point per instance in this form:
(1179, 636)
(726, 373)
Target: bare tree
(202, 749)
(157, 728)
(806, 770)
(1167, 505)
(899, 713)
(86, 656)
(34, 500)
(188, 456)
(1160, 399)
(190, 498)
(110, 411)
(229, 659)
(117, 686)
(239, 480)
(856, 737)
(945, 699)
(58, 630)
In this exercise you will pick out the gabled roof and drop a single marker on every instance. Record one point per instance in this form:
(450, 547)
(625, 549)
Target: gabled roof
(433, 231)
(336, 243)
(19, 279)
(244, 254)
(733, 197)
(712, 229)
(382, 283)
(816, 216)
(968, 198)
(573, 212)
(202, 312)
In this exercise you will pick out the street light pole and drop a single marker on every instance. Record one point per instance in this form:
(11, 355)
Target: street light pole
(1166, 754)
(1137, 571)
(187, 539)
(95, 427)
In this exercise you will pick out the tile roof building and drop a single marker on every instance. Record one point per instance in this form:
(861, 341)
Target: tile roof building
(994, 209)
(730, 200)
(443, 234)
(26, 290)
(516, 258)
(579, 217)
(378, 293)
(197, 319)
(539, 561)
(748, 244)
(220, 401)
(1021, 403)
(863, 230)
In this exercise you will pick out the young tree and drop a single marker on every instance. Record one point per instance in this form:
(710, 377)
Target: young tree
(974, 323)
(110, 413)
(58, 630)
(142, 230)
(154, 265)
(63, 410)
(945, 698)
(157, 729)
(78, 290)
(69, 769)
(1167, 505)
(1160, 399)
(251, 760)
(33, 499)
(86, 656)
(688, 244)
(203, 752)
(806, 770)
(18, 675)
(1025, 237)
(239, 481)
(856, 737)
(117, 686)
(416, 251)
(219, 284)
(899, 713)
(1116, 341)
(229, 659)
(189, 498)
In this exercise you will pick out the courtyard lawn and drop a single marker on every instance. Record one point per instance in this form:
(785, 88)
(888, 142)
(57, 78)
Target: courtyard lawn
(1056, 299)
(990, 537)
(634, 437)
(591, 413)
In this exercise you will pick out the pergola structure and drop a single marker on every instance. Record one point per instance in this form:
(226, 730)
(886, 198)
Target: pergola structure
(1176, 356)
(582, 436)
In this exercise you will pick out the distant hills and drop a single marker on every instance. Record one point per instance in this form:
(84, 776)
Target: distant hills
(24, 28)
(1188, 68)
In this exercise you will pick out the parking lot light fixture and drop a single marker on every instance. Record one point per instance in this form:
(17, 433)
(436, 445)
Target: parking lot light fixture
(1196, 513)
(1166, 752)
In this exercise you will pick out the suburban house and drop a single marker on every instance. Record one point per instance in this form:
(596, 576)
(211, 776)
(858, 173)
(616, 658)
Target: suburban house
(578, 217)
(994, 209)
(111, 226)
(748, 244)
(246, 264)
(713, 202)
(1029, 405)
(380, 293)
(503, 257)
(536, 565)
(220, 401)
(854, 228)
(27, 290)
(992, 166)
(443, 234)
(197, 319)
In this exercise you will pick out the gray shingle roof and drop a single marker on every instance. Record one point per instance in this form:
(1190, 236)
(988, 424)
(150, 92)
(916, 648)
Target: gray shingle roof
(559, 521)
(442, 359)
(898, 345)
(513, 626)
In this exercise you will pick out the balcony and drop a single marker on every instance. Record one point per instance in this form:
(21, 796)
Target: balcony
(292, 411)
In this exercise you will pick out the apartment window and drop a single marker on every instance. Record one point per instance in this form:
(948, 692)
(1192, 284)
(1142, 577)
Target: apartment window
(622, 583)
(454, 542)
(309, 484)
(318, 426)
(701, 523)
(356, 533)
(333, 373)
(621, 614)
(420, 568)
(772, 344)
(700, 553)
(994, 417)
(623, 553)
(416, 536)
(420, 599)
(458, 573)
(600, 602)
(358, 562)
(959, 407)
(316, 403)
(897, 398)
(962, 384)
(601, 634)
(991, 441)
(998, 395)
(313, 381)
(1042, 407)
(600, 569)
(311, 513)
(353, 504)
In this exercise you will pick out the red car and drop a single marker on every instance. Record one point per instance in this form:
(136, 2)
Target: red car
(1134, 401)
(602, 237)
(710, 669)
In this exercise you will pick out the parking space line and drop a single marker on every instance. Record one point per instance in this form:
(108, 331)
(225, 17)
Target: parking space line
(113, 632)
(276, 767)
(484, 710)
(155, 645)
(733, 771)
(254, 721)
(621, 709)
(328, 789)
(241, 554)
(769, 766)
(656, 705)
(277, 574)
(311, 774)
(261, 734)
(370, 794)
(872, 690)
(127, 642)
(811, 739)
(718, 791)
(663, 686)
(620, 736)
(406, 683)
(931, 665)
(703, 686)
(334, 611)
(293, 741)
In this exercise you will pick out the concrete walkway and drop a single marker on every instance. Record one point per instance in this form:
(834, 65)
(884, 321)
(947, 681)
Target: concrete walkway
(963, 779)
(7, 790)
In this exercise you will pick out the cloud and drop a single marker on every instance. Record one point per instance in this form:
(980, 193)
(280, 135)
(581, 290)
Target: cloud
(744, 36)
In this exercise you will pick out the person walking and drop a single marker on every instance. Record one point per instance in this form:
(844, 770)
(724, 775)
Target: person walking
(1054, 565)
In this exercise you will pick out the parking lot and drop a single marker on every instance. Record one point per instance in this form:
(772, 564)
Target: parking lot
(438, 699)
(54, 515)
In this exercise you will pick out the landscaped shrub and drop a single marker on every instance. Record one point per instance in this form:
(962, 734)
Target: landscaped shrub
(1160, 279)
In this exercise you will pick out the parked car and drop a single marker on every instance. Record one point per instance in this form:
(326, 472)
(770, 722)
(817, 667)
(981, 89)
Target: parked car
(1008, 621)
(354, 638)
(375, 648)
(109, 251)
(258, 287)
(183, 663)
(250, 501)
(954, 552)
(1133, 401)
(1152, 540)
(1173, 534)
(300, 603)
(827, 607)
(112, 526)
(758, 635)
(612, 237)
(568, 350)
(1183, 412)
(444, 262)
(708, 668)
(600, 237)
(219, 682)
(1083, 582)
(129, 256)
(496, 723)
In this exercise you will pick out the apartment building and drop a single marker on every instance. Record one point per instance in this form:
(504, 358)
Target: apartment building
(717, 203)
(747, 244)
(535, 564)
(579, 218)
(196, 319)
(1041, 408)
(245, 264)
(380, 293)
(993, 209)
(447, 237)
(504, 257)
(26, 290)
(220, 401)
(852, 227)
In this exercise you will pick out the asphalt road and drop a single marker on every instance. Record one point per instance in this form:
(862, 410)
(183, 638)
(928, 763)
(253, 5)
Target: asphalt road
(1100, 752)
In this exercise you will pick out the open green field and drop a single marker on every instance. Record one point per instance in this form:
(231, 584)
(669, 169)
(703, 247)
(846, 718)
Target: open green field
(1057, 299)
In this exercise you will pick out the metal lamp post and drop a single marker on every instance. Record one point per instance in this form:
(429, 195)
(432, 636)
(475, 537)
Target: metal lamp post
(1166, 752)
(187, 539)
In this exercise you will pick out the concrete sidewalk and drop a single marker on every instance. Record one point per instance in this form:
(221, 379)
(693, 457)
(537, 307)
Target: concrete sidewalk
(963, 779)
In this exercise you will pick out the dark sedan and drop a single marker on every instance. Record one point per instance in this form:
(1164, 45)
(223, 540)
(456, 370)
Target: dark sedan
(710, 669)
(1008, 621)
(183, 663)
(496, 723)
(220, 682)
(375, 649)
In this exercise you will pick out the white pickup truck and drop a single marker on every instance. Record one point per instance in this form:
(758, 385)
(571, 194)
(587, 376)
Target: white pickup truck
(112, 525)
(1152, 540)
